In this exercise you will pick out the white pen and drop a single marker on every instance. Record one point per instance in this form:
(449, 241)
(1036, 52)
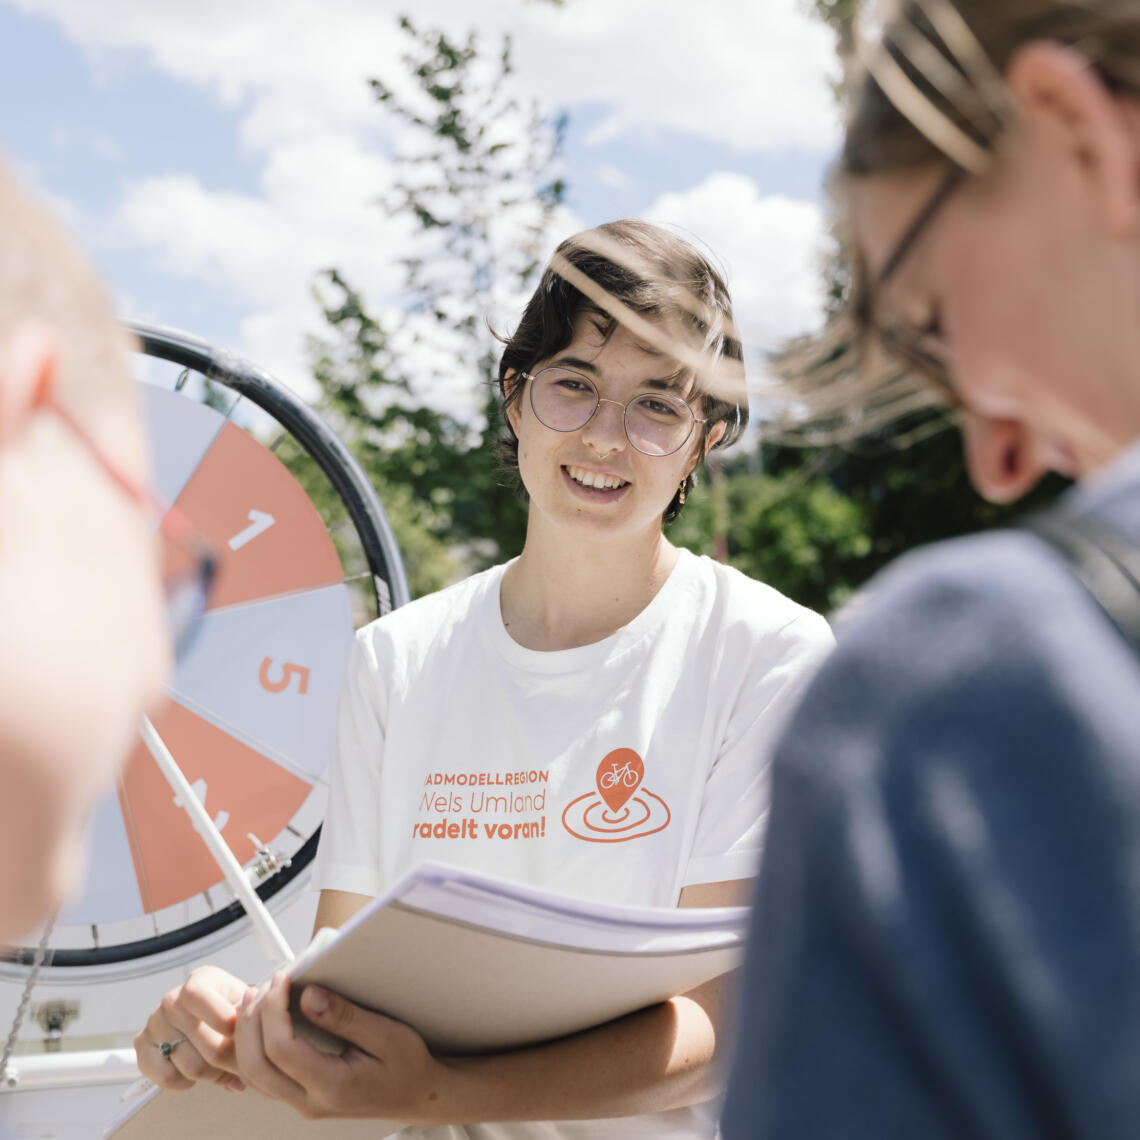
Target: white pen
(267, 932)
(136, 1089)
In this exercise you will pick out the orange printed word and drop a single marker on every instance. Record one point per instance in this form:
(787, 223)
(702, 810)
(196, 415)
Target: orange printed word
(470, 829)
(447, 829)
(481, 779)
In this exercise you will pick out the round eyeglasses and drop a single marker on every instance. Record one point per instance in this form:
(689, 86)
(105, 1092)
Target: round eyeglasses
(656, 423)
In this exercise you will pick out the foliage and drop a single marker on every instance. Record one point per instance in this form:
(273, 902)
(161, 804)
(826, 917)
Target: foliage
(480, 185)
(483, 189)
(922, 493)
(860, 507)
(840, 14)
(817, 523)
(790, 529)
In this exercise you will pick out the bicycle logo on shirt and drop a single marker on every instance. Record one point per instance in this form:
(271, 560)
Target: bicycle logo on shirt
(619, 809)
(624, 775)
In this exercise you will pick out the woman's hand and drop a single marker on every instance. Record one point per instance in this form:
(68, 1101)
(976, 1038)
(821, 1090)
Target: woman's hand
(386, 1072)
(189, 1037)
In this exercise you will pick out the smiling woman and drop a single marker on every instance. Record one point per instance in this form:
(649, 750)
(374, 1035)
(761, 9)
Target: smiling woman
(644, 274)
(635, 686)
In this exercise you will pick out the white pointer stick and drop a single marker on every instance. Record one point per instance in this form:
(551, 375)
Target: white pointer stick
(269, 936)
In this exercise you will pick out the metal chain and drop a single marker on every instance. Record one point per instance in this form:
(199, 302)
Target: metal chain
(21, 1009)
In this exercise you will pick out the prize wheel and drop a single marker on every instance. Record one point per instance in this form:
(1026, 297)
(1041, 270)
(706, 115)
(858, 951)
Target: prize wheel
(305, 555)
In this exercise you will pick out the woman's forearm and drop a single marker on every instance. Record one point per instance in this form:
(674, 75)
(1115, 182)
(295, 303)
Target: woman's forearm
(659, 1058)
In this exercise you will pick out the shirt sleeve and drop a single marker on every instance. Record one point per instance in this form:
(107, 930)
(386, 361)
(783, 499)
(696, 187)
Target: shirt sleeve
(734, 806)
(945, 939)
(348, 857)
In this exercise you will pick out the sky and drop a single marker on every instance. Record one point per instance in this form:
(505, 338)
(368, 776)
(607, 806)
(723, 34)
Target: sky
(212, 156)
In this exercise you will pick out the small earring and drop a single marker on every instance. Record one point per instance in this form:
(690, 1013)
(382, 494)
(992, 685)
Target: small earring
(601, 454)
(681, 492)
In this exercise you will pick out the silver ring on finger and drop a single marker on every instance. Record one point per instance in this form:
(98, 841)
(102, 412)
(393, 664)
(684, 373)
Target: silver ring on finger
(168, 1047)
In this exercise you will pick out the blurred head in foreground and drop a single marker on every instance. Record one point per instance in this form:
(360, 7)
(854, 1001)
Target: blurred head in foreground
(991, 204)
(83, 640)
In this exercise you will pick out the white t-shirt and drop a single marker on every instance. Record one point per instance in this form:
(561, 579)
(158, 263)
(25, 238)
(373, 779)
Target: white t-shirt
(621, 771)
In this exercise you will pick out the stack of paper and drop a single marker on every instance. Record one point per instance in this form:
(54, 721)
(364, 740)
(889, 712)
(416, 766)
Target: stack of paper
(475, 964)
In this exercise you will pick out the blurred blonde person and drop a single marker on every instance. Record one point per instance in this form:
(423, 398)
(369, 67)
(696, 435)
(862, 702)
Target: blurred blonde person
(83, 640)
(947, 940)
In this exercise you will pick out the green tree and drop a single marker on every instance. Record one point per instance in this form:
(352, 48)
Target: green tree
(791, 529)
(481, 185)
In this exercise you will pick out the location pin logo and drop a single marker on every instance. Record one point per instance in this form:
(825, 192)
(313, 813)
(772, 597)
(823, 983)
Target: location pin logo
(619, 775)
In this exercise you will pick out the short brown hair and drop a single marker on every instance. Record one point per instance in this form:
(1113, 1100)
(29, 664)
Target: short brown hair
(633, 267)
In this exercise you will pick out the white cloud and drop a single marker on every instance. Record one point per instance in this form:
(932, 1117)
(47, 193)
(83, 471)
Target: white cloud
(770, 247)
(747, 73)
(317, 210)
(751, 74)
(614, 178)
